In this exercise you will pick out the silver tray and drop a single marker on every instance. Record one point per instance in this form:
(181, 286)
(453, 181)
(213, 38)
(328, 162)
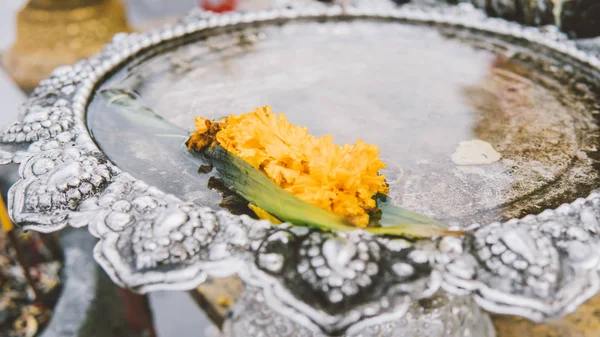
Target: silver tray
(538, 266)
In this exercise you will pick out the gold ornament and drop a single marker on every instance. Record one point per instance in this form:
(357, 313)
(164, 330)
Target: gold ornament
(51, 33)
(584, 322)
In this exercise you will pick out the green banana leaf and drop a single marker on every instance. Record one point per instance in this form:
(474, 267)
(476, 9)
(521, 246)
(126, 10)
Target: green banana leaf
(258, 189)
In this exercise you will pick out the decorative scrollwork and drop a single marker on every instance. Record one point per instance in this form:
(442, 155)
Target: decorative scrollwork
(542, 266)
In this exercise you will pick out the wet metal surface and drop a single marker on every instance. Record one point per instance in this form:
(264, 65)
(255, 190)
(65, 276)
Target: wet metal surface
(414, 91)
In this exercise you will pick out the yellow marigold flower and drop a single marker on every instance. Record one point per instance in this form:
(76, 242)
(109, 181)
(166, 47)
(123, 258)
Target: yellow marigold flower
(204, 134)
(341, 179)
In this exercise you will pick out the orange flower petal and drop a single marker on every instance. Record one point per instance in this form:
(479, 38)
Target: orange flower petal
(341, 179)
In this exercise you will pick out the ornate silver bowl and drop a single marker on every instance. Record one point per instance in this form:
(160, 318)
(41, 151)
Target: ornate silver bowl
(539, 266)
